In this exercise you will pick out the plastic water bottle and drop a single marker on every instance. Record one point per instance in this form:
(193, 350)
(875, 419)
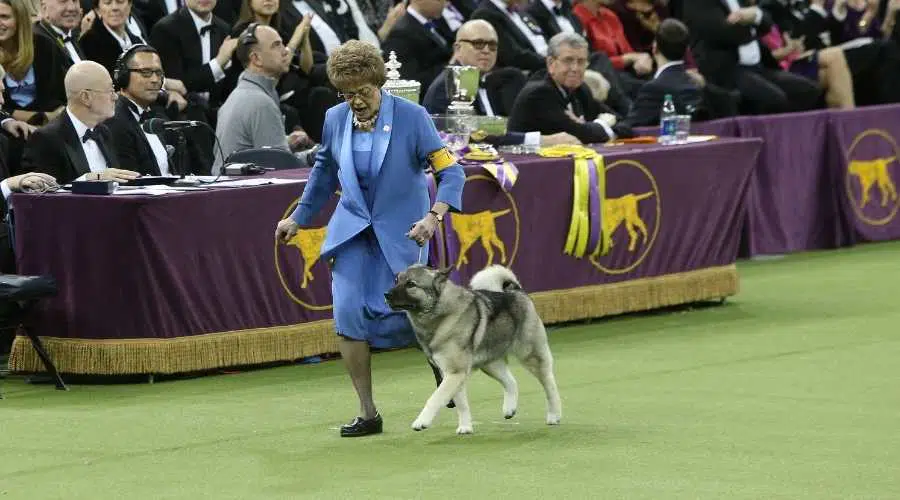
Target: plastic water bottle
(667, 121)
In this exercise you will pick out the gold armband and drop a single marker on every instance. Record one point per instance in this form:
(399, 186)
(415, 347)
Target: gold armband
(441, 159)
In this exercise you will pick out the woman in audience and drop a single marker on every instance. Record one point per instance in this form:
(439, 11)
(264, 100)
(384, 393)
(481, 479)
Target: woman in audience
(34, 77)
(108, 35)
(640, 20)
(857, 18)
(827, 66)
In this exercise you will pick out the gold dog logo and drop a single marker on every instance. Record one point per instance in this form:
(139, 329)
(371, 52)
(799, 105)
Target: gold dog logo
(635, 211)
(624, 210)
(870, 185)
(470, 228)
(309, 243)
(482, 226)
(303, 250)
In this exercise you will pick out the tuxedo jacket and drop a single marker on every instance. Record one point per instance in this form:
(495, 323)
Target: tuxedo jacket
(99, 45)
(132, 150)
(148, 12)
(55, 149)
(290, 17)
(547, 19)
(716, 41)
(176, 39)
(501, 85)
(424, 54)
(515, 50)
(43, 28)
(674, 80)
(541, 107)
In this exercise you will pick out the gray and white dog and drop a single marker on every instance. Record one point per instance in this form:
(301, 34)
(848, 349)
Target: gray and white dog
(464, 329)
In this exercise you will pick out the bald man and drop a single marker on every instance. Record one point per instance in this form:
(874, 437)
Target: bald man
(476, 45)
(72, 146)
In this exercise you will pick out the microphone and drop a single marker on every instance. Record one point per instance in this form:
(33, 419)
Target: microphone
(158, 125)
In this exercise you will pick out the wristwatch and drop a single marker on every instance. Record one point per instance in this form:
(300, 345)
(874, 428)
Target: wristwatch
(436, 215)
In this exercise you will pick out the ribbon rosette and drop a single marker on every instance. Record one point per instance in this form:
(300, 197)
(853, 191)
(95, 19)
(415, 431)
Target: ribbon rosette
(586, 229)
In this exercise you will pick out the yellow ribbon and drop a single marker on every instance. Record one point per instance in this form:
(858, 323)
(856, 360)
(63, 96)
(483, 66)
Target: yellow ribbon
(579, 225)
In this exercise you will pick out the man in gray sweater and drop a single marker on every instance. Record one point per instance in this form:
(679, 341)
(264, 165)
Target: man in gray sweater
(251, 116)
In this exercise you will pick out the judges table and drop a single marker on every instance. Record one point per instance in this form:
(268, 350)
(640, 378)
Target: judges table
(194, 280)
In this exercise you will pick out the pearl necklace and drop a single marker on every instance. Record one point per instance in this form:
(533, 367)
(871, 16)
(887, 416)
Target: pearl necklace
(365, 125)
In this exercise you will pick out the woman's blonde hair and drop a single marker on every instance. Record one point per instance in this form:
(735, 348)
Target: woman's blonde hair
(20, 58)
(356, 63)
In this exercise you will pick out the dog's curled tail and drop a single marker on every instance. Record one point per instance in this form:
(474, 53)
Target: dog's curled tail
(495, 278)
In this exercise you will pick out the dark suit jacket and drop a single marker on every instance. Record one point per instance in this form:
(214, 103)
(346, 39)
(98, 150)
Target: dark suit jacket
(55, 149)
(98, 45)
(176, 39)
(49, 75)
(547, 20)
(716, 41)
(542, 107)
(290, 17)
(42, 28)
(502, 86)
(515, 50)
(647, 105)
(422, 55)
(132, 150)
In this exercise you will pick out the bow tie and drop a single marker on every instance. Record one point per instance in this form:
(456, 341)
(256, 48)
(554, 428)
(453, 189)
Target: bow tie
(142, 115)
(206, 29)
(66, 39)
(91, 134)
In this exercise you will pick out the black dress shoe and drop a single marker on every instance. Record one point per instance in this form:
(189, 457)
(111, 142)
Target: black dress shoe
(362, 427)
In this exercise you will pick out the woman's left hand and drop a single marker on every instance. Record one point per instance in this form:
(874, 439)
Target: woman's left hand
(423, 230)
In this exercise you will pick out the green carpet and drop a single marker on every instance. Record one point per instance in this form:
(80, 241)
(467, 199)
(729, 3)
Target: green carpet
(790, 390)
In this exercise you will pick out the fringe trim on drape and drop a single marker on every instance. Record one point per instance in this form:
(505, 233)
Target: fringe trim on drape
(288, 343)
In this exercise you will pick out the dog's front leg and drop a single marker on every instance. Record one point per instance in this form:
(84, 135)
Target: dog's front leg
(441, 396)
(463, 411)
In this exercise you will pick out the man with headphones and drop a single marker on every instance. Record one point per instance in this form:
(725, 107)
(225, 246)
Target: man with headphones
(138, 77)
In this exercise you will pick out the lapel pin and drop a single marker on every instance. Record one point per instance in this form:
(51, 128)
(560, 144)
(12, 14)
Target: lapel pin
(387, 128)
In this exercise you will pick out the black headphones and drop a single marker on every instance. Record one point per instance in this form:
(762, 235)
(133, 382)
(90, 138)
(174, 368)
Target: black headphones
(121, 72)
(245, 42)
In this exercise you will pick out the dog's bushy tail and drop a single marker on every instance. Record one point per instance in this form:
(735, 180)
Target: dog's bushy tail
(495, 278)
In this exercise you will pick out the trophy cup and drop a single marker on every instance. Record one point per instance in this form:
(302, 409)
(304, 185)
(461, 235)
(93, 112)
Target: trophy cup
(462, 89)
(407, 89)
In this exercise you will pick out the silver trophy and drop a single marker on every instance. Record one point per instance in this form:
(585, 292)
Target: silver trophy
(462, 89)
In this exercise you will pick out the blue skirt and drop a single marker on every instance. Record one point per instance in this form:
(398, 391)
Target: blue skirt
(360, 276)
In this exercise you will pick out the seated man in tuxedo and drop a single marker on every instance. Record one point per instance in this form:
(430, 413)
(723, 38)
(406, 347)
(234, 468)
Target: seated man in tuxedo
(476, 45)
(72, 146)
(61, 22)
(522, 43)
(669, 49)
(562, 102)
(730, 55)
(138, 76)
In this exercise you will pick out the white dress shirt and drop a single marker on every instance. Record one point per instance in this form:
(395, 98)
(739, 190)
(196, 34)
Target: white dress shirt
(564, 24)
(218, 71)
(748, 54)
(95, 159)
(70, 47)
(159, 150)
(537, 40)
(329, 38)
(665, 67)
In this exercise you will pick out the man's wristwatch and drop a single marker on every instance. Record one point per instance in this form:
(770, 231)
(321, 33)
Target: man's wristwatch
(436, 215)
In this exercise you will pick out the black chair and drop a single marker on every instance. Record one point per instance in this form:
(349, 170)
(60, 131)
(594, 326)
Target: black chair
(18, 296)
(268, 157)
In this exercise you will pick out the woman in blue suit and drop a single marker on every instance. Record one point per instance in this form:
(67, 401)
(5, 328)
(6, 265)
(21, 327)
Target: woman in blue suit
(377, 147)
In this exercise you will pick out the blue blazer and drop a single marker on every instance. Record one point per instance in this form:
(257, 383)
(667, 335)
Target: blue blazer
(404, 143)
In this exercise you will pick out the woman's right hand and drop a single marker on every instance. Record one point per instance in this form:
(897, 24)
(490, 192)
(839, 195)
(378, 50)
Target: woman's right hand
(285, 230)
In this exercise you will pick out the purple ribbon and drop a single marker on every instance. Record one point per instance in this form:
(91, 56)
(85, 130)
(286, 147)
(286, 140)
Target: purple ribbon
(594, 208)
